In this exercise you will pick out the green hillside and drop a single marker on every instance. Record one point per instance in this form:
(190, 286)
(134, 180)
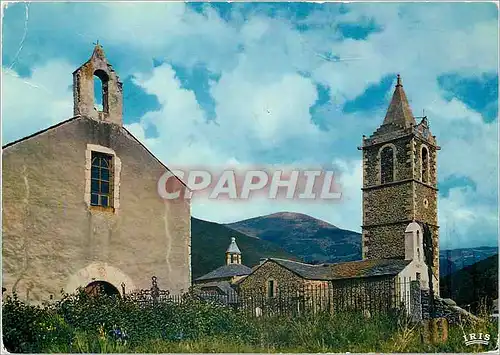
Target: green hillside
(311, 239)
(472, 283)
(209, 242)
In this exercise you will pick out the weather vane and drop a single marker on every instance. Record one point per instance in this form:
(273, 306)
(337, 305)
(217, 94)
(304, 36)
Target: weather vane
(96, 43)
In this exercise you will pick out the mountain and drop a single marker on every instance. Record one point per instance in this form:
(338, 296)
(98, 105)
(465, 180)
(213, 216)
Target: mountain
(317, 241)
(311, 239)
(472, 283)
(456, 259)
(300, 237)
(209, 242)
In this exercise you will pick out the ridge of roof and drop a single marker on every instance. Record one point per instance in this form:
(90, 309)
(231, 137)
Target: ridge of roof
(74, 118)
(343, 270)
(41, 131)
(226, 271)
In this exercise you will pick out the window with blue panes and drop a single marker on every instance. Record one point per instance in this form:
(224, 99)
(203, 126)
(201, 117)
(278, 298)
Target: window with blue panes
(101, 182)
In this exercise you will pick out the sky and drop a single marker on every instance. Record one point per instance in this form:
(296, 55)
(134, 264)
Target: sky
(297, 84)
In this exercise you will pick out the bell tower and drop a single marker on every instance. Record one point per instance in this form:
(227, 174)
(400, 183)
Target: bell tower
(83, 89)
(233, 253)
(399, 182)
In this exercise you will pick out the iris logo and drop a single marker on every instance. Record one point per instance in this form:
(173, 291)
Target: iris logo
(476, 338)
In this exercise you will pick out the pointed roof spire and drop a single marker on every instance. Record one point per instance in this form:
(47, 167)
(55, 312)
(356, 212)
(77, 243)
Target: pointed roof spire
(399, 111)
(98, 50)
(233, 247)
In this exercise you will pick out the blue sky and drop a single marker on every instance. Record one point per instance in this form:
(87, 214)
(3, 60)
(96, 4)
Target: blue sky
(277, 83)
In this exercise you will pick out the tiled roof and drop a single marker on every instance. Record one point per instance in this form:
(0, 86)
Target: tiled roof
(226, 271)
(347, 270)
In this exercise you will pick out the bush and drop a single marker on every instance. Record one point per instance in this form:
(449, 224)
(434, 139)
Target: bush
(29, 328)
(101, 324)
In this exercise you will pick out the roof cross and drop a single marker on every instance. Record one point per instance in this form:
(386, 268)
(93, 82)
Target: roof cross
(399, 81)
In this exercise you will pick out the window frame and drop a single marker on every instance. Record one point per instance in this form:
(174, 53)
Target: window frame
(115, 172)
(393, 149)
(100, 180)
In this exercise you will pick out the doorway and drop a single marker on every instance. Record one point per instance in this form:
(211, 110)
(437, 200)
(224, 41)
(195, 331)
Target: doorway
(96, 287)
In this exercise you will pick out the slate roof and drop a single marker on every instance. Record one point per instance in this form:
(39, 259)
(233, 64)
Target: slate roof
(223, 286)
(226, 271)
(233, 247)
(399, 111)
(347, 270)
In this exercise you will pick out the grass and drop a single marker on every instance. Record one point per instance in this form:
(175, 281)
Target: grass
(319, 334)
(82, 325)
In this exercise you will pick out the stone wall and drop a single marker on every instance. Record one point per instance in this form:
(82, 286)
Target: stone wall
(444, 308)
(83, 89)
(388, 204)
(389, 207)
(283, 278)
(402, 162)
(53, 240)
(417, 154)
(384, 241)
(416, 309)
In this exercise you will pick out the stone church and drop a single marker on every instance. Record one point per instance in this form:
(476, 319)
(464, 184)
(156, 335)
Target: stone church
(224, 278)
(399, 183)
(81, 207)
(400, 229)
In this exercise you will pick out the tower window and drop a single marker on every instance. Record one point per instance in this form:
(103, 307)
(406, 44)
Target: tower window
(101, 180)
(101, 90)
(271, 288)
(386, 165)
(425, 165)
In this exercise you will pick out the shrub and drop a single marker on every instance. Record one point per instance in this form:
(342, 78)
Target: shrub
(79, 323)
(29, 328)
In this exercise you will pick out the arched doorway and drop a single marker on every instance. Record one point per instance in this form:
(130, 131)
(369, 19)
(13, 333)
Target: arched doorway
(95, 287)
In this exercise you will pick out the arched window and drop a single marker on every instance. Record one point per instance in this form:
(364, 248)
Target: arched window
(425, 165)
(101, 90)
(386, 165)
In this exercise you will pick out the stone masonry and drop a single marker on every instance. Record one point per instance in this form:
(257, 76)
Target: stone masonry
(53, 239)
(410, 194)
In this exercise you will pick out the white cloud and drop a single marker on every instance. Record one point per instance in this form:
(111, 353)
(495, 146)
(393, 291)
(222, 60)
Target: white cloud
(268, 112)
(262, 103)
(183, 132)
(34, 103)
(465, 223)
